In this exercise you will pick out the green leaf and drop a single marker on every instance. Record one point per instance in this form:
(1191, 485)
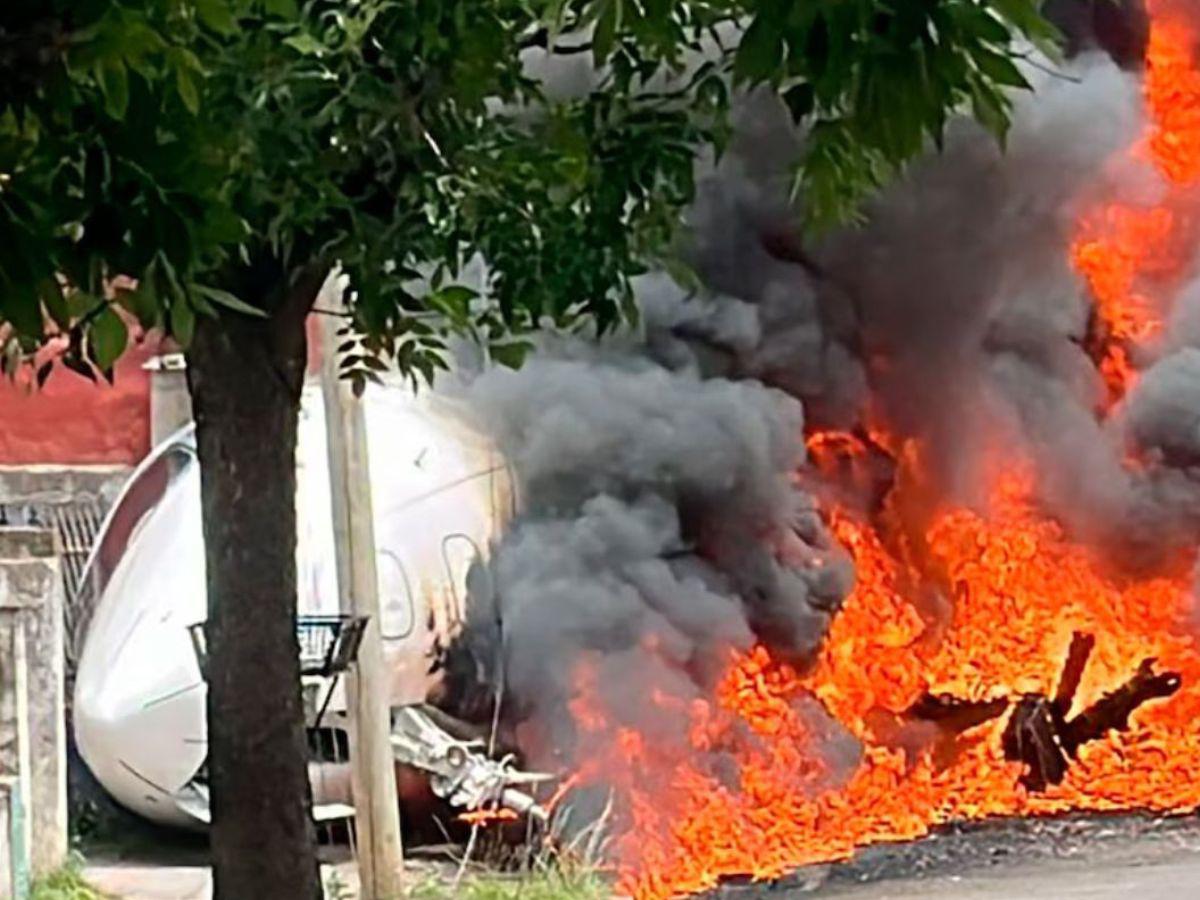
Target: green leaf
(682, 273)
(19, 307)
(174, 287)
(759, 53)
(511, 354)
(1026, 17)
(81, 303)
(552, 18)
(142, 302)
(108, 338)
(605, 33)
(217, 15)
(228, 300)
(137, 38)
(187, 89)
(55, 303)
(222, 225)
(1023, 14)
(373, 363)
(183, 322)
(983, 24)
(990, 110)
(453, 301)
(306, 44)
(200, 304)
(284, 9)
(1000, 69)
(182, 57)
(113, 78)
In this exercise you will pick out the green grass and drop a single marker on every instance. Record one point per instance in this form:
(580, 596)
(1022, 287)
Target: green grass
(547, 884)
(66, 884)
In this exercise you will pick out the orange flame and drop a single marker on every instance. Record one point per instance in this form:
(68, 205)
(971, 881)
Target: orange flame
(750, 788)
(1022, 590)
(485, 817)
(1123, 250)
(1172, 89)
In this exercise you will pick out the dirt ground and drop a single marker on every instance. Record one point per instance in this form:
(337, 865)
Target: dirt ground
(184, 876)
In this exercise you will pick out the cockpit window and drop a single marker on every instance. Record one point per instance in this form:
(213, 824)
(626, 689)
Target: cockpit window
(144, 493)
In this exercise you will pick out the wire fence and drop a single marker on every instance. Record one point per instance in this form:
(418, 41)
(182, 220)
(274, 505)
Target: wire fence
(77, 524)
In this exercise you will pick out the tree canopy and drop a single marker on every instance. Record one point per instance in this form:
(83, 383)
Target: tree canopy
(211, 148)
(224, 155)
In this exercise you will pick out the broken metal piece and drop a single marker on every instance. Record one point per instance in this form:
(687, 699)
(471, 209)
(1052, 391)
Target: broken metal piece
(1112, 711)
(1078, 655)
(1032, 737)
(1040, 735)
(955, 714)
(934, 724)
(460, 770)
(953, 719)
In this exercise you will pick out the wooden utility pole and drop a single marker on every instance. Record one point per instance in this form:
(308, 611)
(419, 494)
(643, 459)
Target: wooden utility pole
(376, 803)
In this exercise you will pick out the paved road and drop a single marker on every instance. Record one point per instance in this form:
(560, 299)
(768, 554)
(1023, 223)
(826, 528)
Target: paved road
(1094, 859)
(148, 881)
(1119, 879)
(1177, 879)
(134, 881)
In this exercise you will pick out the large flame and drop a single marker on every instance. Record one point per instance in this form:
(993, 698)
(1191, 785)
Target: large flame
(1130, 255)
(1021, 590)
(753, 790)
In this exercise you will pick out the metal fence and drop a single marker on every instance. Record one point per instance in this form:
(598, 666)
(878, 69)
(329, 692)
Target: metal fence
(77, 524)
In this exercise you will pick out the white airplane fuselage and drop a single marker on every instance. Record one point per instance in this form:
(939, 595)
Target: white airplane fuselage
(440, 494)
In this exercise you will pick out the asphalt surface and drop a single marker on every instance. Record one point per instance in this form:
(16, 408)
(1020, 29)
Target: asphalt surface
(1085, 858)
(1177, 879)
(1125, 879)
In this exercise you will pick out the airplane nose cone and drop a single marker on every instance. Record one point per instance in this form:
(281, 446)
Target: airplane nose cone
(139, 718)
(139, 697)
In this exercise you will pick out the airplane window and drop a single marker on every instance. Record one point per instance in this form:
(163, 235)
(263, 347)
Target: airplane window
(399, 612)
(458, 553)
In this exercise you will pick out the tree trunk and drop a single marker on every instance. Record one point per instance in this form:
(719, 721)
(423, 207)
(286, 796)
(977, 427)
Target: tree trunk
(245, 376)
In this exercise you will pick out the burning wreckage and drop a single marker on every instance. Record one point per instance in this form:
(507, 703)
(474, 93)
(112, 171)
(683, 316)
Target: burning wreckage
(881, 531)
(878, 532)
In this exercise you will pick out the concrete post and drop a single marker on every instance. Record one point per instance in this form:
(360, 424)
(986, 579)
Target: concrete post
(32, 725)
(170, 403)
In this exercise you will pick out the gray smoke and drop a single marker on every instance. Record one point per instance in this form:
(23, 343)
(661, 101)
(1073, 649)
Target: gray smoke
(954, 316)
(662, 522)
(959, 286)
(661, 526)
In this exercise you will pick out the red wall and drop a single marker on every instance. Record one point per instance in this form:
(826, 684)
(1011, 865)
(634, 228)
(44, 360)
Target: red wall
(74, 422)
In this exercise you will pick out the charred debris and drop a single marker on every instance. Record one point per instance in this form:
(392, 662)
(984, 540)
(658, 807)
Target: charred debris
(1040, 733)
